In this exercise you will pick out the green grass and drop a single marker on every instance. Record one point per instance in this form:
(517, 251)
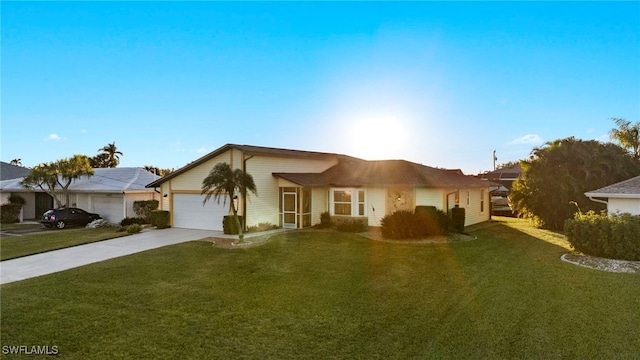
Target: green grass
(332, 295)
(29, 244)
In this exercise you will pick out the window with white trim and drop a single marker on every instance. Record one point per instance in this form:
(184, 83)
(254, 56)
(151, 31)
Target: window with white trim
(348, 202)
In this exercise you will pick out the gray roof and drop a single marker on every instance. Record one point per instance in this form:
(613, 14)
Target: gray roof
(104, 180)
(625, 189)
(8, 171)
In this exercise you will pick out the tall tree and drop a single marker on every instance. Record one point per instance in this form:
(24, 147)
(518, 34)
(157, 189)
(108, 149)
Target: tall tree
(60, 173)
(112, 154)
(44, 176)
(560, 172)
(628, 135)
(221, 181)
(71, 169)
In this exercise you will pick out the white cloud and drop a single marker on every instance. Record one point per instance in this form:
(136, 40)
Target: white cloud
(54, 137)
(529, 139)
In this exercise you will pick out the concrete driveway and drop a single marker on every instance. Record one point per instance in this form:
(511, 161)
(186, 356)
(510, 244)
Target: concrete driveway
(59, 260)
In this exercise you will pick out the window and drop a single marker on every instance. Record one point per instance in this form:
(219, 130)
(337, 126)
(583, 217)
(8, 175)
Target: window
(468, 197)
(481, 200)
(348, 202)
(342, 202)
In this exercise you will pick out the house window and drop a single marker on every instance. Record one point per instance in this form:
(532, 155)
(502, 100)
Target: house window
(481, 200)
(468, 197)
(348, 202)
(342, 202)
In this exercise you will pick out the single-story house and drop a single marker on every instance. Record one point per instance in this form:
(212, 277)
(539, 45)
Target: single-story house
(110, 192)
(621, 197)
(294, 187)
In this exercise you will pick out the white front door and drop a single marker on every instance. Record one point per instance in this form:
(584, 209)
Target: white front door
(289, 210)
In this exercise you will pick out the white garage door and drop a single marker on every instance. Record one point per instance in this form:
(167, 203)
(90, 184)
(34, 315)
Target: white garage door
(110, 208)
(189, 212)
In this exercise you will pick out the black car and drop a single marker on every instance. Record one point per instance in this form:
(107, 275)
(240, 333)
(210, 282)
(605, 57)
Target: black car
(62, 217)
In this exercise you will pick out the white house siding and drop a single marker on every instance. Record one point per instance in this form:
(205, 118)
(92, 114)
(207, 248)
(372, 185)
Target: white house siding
(29, 207)
(631, 206)
(430, 197)
(319, 203)
(192, 179)
(266, 206)
(473, 212)
(376, 202)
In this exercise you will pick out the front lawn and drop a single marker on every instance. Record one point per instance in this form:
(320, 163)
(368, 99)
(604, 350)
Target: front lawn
(333, 295)
(17, 246)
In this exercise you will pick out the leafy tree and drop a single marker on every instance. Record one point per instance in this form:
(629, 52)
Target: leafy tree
(553, 182)
(110, 156)
(222, 180)
(627, 135)
(60, 173)
(100, 161)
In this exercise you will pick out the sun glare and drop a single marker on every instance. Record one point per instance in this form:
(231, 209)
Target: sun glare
(378, 138)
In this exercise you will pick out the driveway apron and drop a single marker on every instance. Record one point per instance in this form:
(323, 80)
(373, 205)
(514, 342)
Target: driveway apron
(59, 260)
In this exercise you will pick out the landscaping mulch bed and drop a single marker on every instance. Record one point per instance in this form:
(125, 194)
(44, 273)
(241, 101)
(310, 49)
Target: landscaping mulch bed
(610, 265)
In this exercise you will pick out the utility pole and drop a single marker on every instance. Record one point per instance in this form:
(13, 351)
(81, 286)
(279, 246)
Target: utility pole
(495, 158)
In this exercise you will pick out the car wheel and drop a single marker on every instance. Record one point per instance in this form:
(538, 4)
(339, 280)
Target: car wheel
(60, 224)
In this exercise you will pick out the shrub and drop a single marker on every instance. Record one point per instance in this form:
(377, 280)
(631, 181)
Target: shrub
(160, 219)
(143, 208)
(16, 199)
(10, 213)
(614, 236)
(402, 224)
(229, 225)
(134, 228)
(433, 221)
(261, 227)
(353, 225)
(135, 220)
(457, 217)
(325, 220)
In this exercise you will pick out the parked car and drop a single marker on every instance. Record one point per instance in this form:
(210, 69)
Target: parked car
(62, 217)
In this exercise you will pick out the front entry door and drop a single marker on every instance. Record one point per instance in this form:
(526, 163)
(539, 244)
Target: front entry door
(289, 210)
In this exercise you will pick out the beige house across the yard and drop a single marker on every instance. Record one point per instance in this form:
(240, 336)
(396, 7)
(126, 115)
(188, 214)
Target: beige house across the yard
(294, 187)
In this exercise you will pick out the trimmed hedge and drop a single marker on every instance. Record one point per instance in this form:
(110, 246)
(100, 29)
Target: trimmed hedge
(135, 220)
(10, 213)
(425, 221)
(353, 225)
(143, 208)
(615, 237)
(160, 219)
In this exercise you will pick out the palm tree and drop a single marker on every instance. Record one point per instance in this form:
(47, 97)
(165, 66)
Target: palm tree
(17, 162)
(112, 153)
(222, 180)
(627, 135)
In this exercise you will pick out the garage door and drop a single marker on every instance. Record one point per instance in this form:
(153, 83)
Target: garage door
(110, 208)
(190, 213)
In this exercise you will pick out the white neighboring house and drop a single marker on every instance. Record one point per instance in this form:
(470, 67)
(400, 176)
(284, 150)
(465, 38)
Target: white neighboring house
(621, 197)
(110, 192)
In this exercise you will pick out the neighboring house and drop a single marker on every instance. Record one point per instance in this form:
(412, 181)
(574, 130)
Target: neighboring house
(503, 179)
(621, 197)
(294, 187)
(110, 192)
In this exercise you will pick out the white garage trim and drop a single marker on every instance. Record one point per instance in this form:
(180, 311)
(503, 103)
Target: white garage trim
(190, 213)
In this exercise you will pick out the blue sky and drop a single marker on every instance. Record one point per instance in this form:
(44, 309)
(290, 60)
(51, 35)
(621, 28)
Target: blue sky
(443, 84)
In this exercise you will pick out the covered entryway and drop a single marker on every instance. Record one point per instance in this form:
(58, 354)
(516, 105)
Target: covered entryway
(289, 209)
(190, 213)
(110, 208)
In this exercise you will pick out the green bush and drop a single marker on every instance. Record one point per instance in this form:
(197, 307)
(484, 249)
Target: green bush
(10, 213)
(16, 199)
(261, 227)
(229, 224)
(425, 221)
(135, 220)
(325, 220)
(134, 228)
(160, 219)
(353, 225)
(616, 236)
(143, 208)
